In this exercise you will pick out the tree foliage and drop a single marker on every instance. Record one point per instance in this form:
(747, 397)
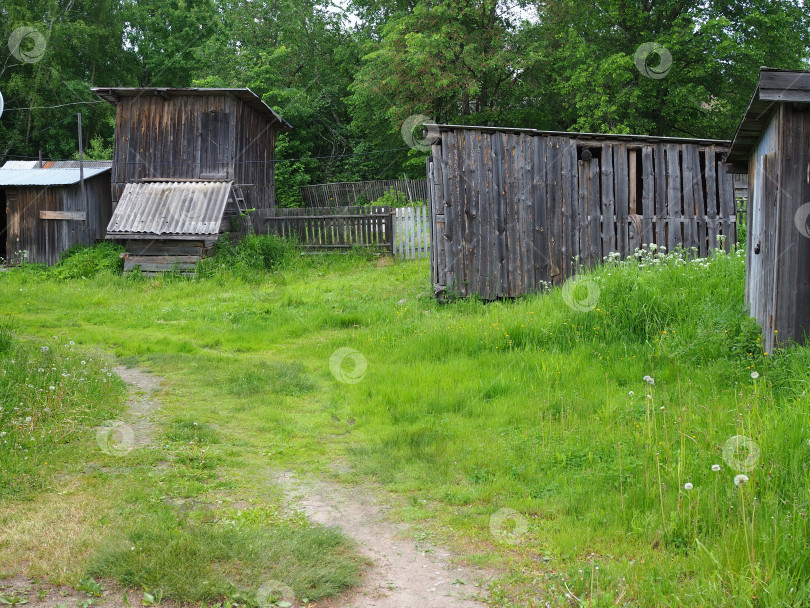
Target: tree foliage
(349, 81)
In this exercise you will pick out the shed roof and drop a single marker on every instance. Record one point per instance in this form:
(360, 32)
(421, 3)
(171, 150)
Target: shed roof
(149, 209)
(113, 94)
(584, 136)
(775, 86)
(74, 164)
(46, 177)
(20, 164)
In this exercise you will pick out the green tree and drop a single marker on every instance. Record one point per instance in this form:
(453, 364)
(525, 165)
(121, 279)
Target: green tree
(700, 65)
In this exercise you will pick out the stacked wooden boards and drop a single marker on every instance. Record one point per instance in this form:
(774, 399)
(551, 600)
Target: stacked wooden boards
(514, 209)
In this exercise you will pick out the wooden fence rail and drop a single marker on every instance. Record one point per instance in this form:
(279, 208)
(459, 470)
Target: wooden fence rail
(340, 194)
(411, 233)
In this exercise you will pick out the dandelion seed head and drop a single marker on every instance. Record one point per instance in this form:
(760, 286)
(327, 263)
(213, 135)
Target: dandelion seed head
(755, 375)
(740, 479)
(688, 486)
(715, 467)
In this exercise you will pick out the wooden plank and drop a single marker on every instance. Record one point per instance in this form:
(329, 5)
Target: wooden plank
(63, 215)
(711, 198)
(512, 246)
(801, 295)
(486, 217)
(690, 234)
(699, 197)
(660, 187)
(725, 181)
(540, 244)
(634, 217)
(499, 191)
(469, 169)
(594, 213)
(647, 195)
(608, 201)
(553, 196)
(570, 209)
(674, 203)
(620, 179)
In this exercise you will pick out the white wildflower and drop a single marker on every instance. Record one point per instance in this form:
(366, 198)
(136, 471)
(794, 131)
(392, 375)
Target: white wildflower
(688, 486)
(740, 479)
(755, 375)
(715, 467)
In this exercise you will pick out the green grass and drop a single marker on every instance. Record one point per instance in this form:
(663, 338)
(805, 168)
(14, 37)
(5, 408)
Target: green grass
(470, 407)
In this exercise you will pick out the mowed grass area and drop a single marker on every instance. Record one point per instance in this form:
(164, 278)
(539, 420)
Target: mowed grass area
(469, 411)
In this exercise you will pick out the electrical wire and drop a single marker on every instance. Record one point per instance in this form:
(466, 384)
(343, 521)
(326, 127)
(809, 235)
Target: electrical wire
(281, 160)
(64, 105)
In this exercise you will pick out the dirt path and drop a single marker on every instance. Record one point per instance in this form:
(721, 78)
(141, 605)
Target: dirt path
(141, 402)
(401, 575)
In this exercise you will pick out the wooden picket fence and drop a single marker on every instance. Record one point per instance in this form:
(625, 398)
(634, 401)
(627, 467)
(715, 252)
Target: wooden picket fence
(411, 233)
(331, 228)
(402, 231)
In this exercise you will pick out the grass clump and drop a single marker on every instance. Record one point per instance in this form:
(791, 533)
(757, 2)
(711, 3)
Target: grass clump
(200, 559)
(81, 261)
(51, 396)
(249, 257)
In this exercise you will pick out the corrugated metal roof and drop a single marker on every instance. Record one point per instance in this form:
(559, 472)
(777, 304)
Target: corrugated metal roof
(113, 94)
(74, 164)
(177, 208)
(46, 177)
(20, 164)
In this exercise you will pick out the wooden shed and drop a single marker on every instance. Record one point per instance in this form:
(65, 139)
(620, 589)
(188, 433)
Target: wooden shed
(182, 134)
(47, 211)
(772, 145)
(512, 209)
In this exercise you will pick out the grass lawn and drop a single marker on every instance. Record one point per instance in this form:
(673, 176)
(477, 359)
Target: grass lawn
(521, 432)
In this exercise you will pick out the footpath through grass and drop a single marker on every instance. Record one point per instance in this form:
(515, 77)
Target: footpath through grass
(525, 432)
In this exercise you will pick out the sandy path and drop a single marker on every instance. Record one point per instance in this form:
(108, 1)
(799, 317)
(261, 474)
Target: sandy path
(401, 576)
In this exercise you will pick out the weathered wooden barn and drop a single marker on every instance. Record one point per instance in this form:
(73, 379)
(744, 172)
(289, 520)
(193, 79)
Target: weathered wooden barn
(511, 209)
(772, 145)
(181, 134)
(47, 211)
(182, 158)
